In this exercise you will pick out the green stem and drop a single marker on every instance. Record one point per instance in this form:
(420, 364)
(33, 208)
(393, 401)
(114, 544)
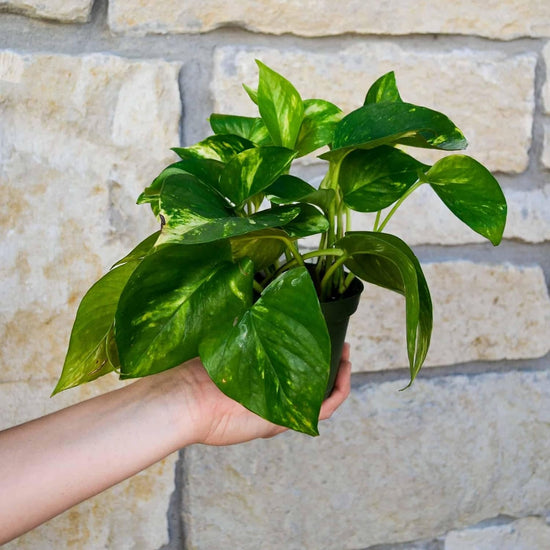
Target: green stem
(323, 252)
(398, 204)
(340, 226)
(348, 281)
(257, 286)
(377, 220)
(292, 263)
(328, 275)
(297, 256)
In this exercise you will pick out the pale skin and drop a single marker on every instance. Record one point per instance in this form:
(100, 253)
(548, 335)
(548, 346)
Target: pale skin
(77, 452)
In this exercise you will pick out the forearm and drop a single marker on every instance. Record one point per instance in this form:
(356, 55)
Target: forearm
(55, 462)
(71, 455)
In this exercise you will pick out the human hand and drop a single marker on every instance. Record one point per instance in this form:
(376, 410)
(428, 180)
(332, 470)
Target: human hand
(219, 420)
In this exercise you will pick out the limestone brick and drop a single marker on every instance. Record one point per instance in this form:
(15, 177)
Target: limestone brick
(482, 312)
(501, 20)
(389, 467)
(73, 11)
(81, 136)
(424, 219)
(522, 534)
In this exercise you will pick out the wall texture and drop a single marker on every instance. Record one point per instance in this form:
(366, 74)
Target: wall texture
(93, 95)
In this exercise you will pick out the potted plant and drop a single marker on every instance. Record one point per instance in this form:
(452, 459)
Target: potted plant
(224, 278)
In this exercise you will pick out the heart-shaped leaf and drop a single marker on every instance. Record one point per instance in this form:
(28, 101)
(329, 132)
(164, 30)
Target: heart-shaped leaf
(372, 179)
(280, 106)
(251, 171)
(388, 123)
(207, 170)
(384, 89)
(187, 202)
(218, 147)
(385, 260)
(317, 130)
(472, 194)
(173, 299)
(275, 360)
(253, 129)
(193, 213)
(87, 357)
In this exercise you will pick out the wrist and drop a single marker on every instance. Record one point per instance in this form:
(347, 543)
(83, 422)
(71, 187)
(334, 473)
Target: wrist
(176, 393)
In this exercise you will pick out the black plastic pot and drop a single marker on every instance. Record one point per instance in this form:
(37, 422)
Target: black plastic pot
(337, 314)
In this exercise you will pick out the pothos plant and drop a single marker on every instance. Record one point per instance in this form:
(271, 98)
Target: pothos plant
(225, 279)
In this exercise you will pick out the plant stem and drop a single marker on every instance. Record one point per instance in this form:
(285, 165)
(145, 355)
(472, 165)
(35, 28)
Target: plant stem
(257, 286)
(297, 256)
(377, 220)
(348, 281)
(292, 263)
(323, 252)
(328, 275)
(398, 204)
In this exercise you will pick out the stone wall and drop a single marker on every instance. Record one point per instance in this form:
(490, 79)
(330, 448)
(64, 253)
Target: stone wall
(93, 95)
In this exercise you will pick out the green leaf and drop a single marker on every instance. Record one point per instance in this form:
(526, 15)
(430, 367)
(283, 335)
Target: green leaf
(472, 194)
(372, 179)
(389, 123)
(151, 194)
(87, 357)
(287, 189)
(275, 360)
(193, 213)
(252, 94)
(186, 225)
(187, 202)
(263, 247)
(173, 299)
(140, 251)
(251, 171)
(207, 170)
(219, 147)
(385, 260)
(253, 129)
(280, 106)
(309, 222)
(384, 89)
(290, 189)
(317, 130)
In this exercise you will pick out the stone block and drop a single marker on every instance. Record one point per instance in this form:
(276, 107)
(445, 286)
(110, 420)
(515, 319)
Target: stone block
(423, 219)
(546, 86)
(73, 11)
(81, 137)
(482, 312)
(501, 20)
(546, 146)
(388, 467)
(523, 534)
(456, 82)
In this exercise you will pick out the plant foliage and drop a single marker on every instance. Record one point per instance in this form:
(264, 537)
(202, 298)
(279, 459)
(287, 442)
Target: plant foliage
(224, 278)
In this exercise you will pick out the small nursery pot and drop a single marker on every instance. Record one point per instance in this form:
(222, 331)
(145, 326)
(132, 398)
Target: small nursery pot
(337, 314)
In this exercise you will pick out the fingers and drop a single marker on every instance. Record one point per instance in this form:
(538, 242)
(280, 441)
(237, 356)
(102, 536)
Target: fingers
(342, 386)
